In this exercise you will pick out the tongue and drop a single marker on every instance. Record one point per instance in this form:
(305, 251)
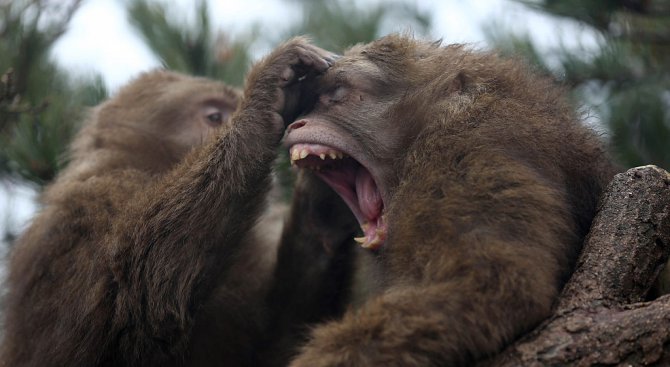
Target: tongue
(369, 200)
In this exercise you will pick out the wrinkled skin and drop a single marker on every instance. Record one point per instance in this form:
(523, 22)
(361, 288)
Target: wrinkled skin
(474, 184)
(156, 247)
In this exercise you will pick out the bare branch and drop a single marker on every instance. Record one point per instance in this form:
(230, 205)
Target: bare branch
(600, 319)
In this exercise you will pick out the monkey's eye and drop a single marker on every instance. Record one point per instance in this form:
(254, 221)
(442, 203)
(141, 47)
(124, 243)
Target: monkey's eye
(334, 96)
(215, 116)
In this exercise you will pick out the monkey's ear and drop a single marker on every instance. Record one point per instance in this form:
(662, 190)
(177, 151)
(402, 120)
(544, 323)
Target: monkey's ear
(458, 83)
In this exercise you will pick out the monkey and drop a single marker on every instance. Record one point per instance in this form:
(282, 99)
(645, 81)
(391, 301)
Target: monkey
(155, 246)
(474, 183)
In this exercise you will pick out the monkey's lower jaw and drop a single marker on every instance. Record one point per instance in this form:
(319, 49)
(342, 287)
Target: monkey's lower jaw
(353, 182)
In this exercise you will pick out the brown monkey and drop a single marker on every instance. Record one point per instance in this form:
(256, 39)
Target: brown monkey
(146, 251)
(474, 185)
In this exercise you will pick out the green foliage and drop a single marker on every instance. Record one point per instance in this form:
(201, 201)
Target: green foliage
(629, 71)
(517, 45)
(593, 12)
(335, 25)
(40, 105)
(197, 49)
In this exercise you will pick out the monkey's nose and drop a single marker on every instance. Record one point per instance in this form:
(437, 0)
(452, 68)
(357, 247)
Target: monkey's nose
(297, 125)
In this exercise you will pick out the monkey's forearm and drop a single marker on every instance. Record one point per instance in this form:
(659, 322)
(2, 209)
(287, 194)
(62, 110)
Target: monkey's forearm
(460, 320)
(314, 263)
(206, 205)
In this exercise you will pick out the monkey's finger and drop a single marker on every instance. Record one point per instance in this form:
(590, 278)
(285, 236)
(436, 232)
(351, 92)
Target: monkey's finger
(287, 75)
(314, 60)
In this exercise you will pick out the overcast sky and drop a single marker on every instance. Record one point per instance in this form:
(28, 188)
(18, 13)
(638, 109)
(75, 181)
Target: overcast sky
(100, 40)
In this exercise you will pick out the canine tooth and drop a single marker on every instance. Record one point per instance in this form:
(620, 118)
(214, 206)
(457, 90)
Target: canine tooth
(295, 155)
(360, 240)
(322, 156)
(374, 244)
(304, 153)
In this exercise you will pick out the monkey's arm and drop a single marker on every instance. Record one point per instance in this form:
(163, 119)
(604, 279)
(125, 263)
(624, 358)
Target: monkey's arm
(435, 323)
(125, 290)
(219, 191)
(123, 284)
(314, 265)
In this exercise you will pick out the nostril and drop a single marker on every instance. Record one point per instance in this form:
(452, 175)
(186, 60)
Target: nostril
(297, 125)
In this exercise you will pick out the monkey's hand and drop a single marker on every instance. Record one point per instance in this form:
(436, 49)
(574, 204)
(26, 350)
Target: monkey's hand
(280, 84)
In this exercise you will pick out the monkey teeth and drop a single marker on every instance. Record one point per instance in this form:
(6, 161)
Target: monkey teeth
(299, 152)
(361, 240)
(352, 181)
(374, 243)
(374, 234)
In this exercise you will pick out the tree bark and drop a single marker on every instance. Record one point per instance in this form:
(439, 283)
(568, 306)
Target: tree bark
(601, 317)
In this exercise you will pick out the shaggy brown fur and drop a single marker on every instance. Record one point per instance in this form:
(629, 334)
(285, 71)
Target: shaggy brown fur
(489, 183)
(145, 252)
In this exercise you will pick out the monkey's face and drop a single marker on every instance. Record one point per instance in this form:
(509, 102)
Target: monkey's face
(352, 141)
(188, 113)
(372, 105)
(200, 119)
(170, 110)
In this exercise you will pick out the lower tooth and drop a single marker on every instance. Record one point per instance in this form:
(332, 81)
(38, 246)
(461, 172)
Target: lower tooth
(374, 244)
(360, 240)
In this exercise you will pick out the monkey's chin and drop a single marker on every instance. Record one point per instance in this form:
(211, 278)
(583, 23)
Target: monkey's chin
(353, 182)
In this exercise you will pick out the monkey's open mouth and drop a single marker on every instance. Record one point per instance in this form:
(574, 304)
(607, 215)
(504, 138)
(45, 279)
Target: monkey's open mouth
(352, 181)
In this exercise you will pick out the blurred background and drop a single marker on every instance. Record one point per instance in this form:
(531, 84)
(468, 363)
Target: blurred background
(59, 57)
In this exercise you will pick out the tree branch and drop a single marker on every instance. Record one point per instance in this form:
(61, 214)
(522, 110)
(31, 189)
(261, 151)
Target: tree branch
(600, 318)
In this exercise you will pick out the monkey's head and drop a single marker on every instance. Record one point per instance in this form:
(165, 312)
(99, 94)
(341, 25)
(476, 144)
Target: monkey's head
(158, 117)
(378, 98)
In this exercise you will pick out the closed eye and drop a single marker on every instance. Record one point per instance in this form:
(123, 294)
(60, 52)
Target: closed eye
(334, 96)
